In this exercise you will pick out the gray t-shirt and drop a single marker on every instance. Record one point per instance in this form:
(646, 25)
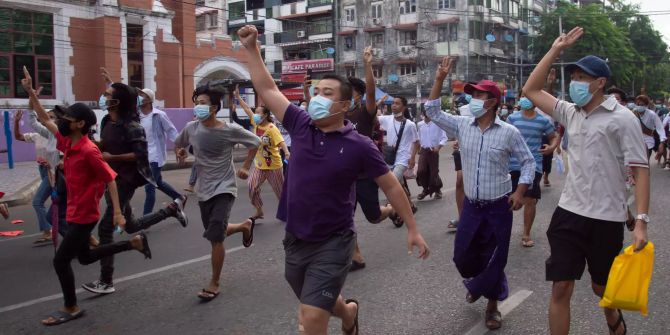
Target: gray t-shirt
(213, 151)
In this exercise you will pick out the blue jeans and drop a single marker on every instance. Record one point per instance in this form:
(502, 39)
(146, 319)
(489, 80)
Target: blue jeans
(151, 190)
(43, 193)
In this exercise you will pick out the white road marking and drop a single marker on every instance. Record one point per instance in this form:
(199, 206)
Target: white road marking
(120, 280)
(505, 308)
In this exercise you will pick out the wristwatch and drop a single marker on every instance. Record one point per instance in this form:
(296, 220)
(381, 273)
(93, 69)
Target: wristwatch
(643, 217)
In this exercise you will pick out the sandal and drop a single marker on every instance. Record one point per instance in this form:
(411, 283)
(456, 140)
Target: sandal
(355, 265)
(618, 323)
(453, 224)
(250, 239)
(207, 296)
(354, 329)
(397, 221)
(527, 243)
(493, 320)
(61, 317)
(43, 240)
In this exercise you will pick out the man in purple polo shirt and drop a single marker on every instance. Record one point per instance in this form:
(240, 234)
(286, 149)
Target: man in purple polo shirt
(327, 157)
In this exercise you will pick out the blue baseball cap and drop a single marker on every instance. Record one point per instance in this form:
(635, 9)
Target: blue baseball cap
(591, 65)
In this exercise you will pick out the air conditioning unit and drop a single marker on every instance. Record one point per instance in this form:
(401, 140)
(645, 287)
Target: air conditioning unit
(301, 34)
(377, 21)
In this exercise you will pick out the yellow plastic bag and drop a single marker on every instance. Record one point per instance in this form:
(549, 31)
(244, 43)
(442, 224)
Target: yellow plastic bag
(628, 281)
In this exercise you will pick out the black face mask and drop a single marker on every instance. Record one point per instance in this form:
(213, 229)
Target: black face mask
(64, 127)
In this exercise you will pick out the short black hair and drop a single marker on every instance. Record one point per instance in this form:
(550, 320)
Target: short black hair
(620, 92)
(357, 84)
(79, 112)
(266, 111)
(127, 98)
(346, 91)
(214, 95)
(403, 100)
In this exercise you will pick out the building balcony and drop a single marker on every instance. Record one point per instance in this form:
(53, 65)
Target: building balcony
(348, 56)
(408, 52)
(374, 24)
(408, 18)
(319, 3)
(448, 49)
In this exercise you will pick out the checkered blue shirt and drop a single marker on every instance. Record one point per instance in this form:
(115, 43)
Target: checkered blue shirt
(485, 154)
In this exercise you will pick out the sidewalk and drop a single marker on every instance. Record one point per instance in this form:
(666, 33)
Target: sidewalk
(20, 183)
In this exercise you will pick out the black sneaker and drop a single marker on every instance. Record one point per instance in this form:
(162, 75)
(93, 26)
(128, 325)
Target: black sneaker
(176, 210)
(99, 287)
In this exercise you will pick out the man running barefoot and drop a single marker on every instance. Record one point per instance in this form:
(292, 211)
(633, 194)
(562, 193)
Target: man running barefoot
(213, 141)
(604, 139)
(327, 158)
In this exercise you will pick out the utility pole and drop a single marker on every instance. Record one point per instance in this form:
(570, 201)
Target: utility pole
(560, 31)
(467, 45)
(516, 59)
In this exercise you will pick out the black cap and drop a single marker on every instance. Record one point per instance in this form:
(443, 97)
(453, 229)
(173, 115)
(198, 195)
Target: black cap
(591, 65)
(79, 112)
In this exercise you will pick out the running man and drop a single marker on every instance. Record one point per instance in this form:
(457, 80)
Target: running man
(158, 129)
(533, 127)
(327, 159)
(124, 148)
(485, 227)
(587, 226)
(213, 141)
(87, 175)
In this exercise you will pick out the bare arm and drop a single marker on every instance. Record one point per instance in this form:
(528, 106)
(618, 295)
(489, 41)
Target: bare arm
(284, 148)
(244, 105)
(398, 199)
(554, 141)
(114, 195)
(533, 88)
(641, 175)
(370, 103)
(260, 77)
(17, 131)
(27, 83)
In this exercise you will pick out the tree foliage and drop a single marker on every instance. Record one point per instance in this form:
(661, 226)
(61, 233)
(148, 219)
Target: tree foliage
(636, 52)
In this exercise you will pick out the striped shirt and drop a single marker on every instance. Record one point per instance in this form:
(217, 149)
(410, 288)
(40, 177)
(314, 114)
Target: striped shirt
(532, 131)
(485, 154)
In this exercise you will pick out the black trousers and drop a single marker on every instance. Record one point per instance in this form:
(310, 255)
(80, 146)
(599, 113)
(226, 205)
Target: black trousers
(76, 244)
(106, 228)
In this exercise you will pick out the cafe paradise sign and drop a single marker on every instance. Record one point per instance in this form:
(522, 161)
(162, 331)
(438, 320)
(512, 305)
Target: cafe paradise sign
(302, 66)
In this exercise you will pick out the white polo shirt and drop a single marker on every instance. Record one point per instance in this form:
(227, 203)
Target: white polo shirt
(602, 144)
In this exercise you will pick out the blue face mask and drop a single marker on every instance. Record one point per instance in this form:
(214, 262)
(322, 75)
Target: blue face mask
(579, 93)
(477, 108)
(201, 112)
(102, 102)
(140, 101)
(631, 105)
(525, 104)
(640, 109)
(504, 112)
(257, 119)
(468, 98)
(319, 107)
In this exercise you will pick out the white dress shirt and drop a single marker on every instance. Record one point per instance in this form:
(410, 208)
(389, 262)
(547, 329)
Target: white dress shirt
(431, 135)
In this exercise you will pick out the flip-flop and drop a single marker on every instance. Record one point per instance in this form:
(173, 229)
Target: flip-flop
(355, 265)
(248, 241)
(61, 317)
(212, 295)
(42, 240)
(618, 323)
(527, 243)
(453, 224)
(354, 328)
(493, 320)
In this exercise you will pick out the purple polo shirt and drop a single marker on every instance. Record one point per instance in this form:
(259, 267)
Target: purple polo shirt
(320, 198)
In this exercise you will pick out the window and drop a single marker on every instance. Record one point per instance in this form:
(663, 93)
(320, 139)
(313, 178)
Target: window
(378, 71)
(350, 14)
(213, 20)
(26, 39)
(376, 9)
(494, 4)
(200, 22)
(407, 6)
(407, 69)
(350, 71)
(199, 3)
(135, 55)
(321, 26)
(268, 13)
(235, 10)
(514, 9)
(446, 4)
(408, 37)
(350, 43)
(476, 2)
(257, 14)
(476, 30)
(377, 40)
(448, 33)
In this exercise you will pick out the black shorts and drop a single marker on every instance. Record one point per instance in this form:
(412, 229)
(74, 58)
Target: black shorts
(316, 271)
(215, 213)
(534, 190)
(367, 195)
(576, 240)
(458, 166)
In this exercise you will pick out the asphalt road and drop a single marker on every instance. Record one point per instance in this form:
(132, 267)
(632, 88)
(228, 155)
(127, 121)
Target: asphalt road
(398, 293)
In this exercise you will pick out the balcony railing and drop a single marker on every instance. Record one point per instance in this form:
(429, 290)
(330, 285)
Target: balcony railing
(317, 3)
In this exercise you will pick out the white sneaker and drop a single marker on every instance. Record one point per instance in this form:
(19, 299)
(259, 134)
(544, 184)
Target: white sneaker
(99, 287)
